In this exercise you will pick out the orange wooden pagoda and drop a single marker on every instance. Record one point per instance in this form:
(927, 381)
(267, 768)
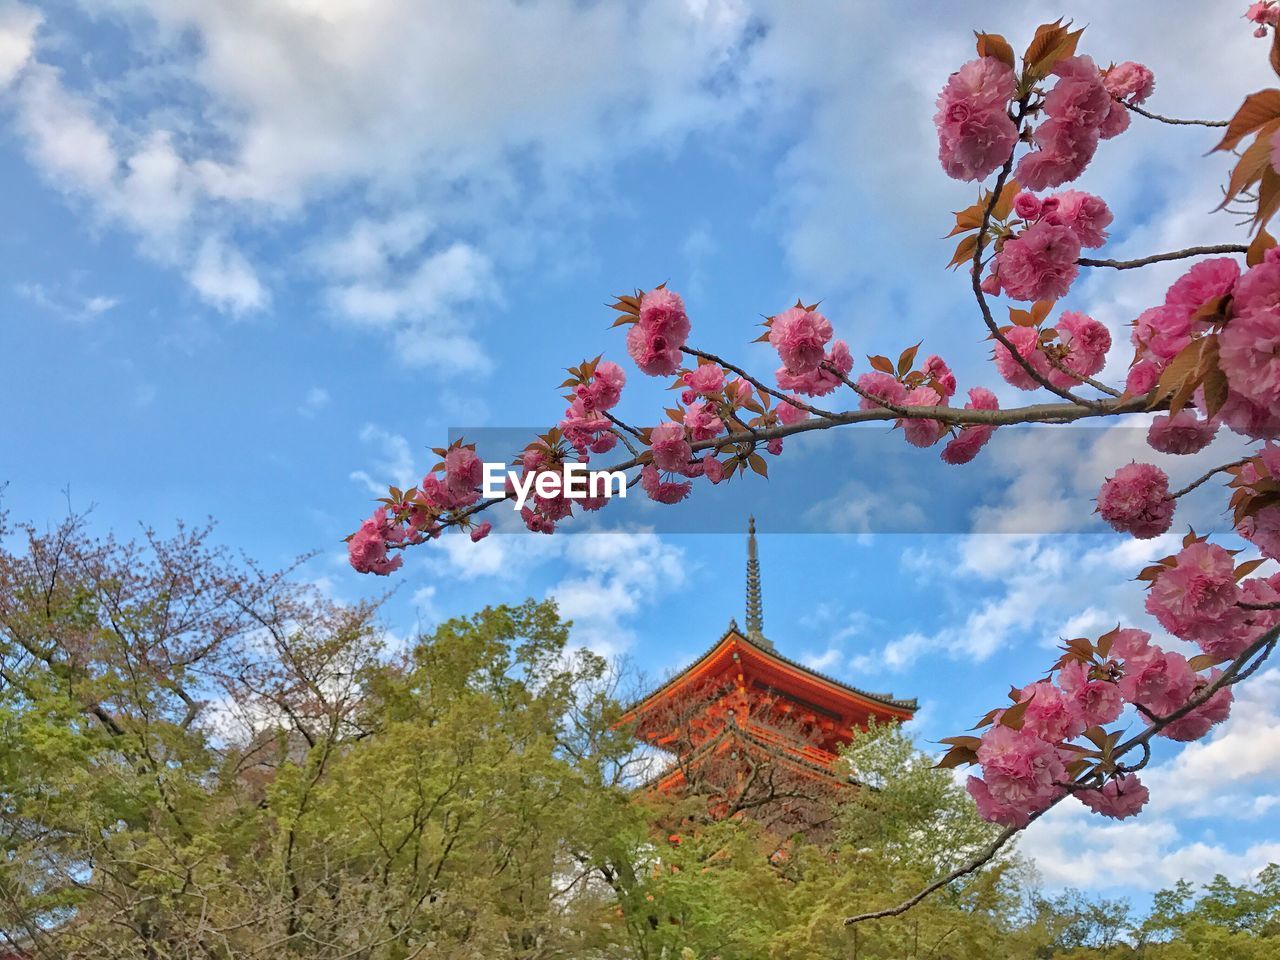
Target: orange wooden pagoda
(743, 714)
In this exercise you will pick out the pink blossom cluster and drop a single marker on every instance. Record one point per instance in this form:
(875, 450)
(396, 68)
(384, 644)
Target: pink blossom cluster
(1079, 111)
(1180, 433)
(1077, 343)
(809, 366)
(971, 438)
(1264, 13)
(1262, 526)
(453, 485)
(709, 399)
(1030, 762)
(1041, 262)
(975, 132)
(1249, 346)
(656, 338)
(1196, 597)
(584, 424)
(1249, 342)
(1136, 500)
(541, 512)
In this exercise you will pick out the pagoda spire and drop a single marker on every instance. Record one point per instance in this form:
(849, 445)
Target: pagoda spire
(755, 604)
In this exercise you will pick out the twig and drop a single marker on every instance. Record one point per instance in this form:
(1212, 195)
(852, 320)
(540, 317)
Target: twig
(1208, 476)
(816, 411)
(1162, 257)
(1175, 121)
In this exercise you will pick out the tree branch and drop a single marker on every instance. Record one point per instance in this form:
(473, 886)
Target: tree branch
(1264, 645)
(1174, 121)
(1162, 257)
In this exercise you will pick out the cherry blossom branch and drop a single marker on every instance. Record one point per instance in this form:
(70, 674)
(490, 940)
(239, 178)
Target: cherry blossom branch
(1208, 476)
(1096, 384)
(976, 278)
(1044, 413)
(1162, 257)
(798, 404)
(1174, 121)
(1235, 673)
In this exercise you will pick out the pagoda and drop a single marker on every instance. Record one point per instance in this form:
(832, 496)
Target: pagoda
(754, 731)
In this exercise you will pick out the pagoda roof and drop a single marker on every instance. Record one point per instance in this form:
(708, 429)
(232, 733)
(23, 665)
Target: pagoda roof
(736, 733)
(762, 648)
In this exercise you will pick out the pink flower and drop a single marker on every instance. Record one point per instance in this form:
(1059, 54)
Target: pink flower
(1249, 354)
(712, 468)
(1040, 263)
(705, 379)
(819, 382)
(1117, 122)
(940, 376)
(1026, 205)
(1026, 342)
(1079, 96)
(1118, 798)
(991, 283)
(654, 341)
(1064, 150)
(774, 446)
(701, 422)
(1247, 418)
(1142, 378)
(1265, 14)
(1098, 701)
(1051, 714)
(662, 311)
(463, 471)
(481, 531)
(537, 522)
(1207, 280)
(1083, 214)
(1182, 433)
(1136, 500)
(964, 446)
(1157, 680)
(1130, 82)
(605, 388)
(789, 412)
(1262, 527)
(1198, 721)
(1196, 598)
(975, 133)
(1163, 331)
(800, 336)
(671, 451)
(989, 808)
(1087, 342)
(1079, 108)
(881, 386)
(1022, 773)
(367, 548)
(920, 432)
(661, 490)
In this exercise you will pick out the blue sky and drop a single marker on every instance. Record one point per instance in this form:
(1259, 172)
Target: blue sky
(258, 257)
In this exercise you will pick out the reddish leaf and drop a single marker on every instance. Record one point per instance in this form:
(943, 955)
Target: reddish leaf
(994, 45)
(1257, 110)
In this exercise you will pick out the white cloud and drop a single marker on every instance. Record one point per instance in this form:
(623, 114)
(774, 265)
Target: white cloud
(223, 276)
(317, 399)
(18, 25)
(66, 304)
(393, 462)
